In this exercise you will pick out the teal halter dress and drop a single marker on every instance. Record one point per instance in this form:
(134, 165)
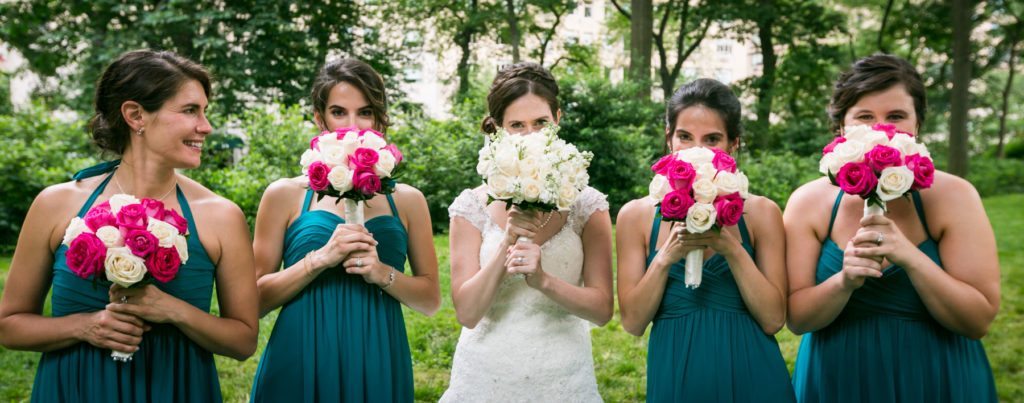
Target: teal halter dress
(885, 346)
(705, 346)
(168, 367)
(340, 338)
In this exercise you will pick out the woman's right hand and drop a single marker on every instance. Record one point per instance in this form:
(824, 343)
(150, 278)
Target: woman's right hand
(521, 223)
(857, 269)
(114, 331)
(346, 239)
(677, 245)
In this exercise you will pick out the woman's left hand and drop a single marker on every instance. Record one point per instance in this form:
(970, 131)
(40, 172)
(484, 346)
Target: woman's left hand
(524, 258)
(721, 241)
(880, 238)
(367, 264)
(147, 302)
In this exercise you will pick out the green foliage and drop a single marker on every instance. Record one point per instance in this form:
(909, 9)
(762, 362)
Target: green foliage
(992, 176)
(625, 136)
(776, 175)
(5, 93)
(276, 137)
(39, 150)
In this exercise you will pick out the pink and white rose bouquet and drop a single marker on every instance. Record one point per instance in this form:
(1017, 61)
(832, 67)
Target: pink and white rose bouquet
(129, 241)
(877, 163)
(353, 165)
(703, 188)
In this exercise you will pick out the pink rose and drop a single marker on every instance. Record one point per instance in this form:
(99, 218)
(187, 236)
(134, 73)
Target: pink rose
(661, 167)
(341, 131)
(85, 255)
(132, 216)
(154, 208)
(366, 181)
(923, 169)
(681, 175)
(98, 217)
(393, 149)
(889, 129)
(832, 146)
(140, 242)
(163, 264)
(723, 161)
(172, 217)
(314, 143)
(318, 176)
(363, 157)
(857, 178)
(882, 157)
(729, 208)
(104, 206)
(676, 204)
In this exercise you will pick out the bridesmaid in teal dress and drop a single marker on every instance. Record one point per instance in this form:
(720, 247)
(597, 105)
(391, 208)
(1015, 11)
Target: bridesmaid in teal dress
(715, 342)
(149, 110)
(340, 334)
(892, 307)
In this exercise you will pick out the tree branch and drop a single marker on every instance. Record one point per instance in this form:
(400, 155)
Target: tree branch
(621, 10)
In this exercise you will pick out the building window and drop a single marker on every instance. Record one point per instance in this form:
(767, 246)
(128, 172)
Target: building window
(586, 11)
(724, 48)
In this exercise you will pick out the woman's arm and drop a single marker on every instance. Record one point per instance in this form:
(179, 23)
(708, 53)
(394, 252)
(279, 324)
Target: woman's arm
(22, 327)
(640, 291)
(762, 284)
(592, 301)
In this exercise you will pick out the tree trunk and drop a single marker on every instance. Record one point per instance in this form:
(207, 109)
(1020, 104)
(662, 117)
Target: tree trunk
(464, 39)
(513, 28)
(1013, 39)
(961, 81)
(766, 83)
(641, 27)
(881, 31)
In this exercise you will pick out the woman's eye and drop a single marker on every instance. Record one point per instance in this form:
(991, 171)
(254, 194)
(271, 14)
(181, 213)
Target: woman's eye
(517, 125)
(366, 113)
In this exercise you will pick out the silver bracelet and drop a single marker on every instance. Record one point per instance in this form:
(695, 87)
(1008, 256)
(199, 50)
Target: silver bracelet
(391, 279)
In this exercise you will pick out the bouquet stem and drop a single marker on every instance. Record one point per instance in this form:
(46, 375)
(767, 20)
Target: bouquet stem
(873, 208)
(354, 212)
(694, 267)
(121, 356)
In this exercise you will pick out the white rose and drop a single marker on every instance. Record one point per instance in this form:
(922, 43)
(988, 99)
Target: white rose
(484, 167)
(529, 168)
(340, 178)
(894, 182)
(658, 188)
(706, 171)
(507, 161)
(826, 163)
(857, 133)
(162, 231)
(531, 189)
(373, 141)
(120, 200)
(75, 228)
(385, 163)
(744, 184)
(535, 144)
(696, 155)
(111, 236)
(329, 138)
(904, 143)
(704, 191)
(124, 268)
(567, 195)
(181, 245)
(308, 157)
(849, 151)
(865, 135)
(727, 183)
(334, 155)
(500, 186)
(349, 142)
(700, 218)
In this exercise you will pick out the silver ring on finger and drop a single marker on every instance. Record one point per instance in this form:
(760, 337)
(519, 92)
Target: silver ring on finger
(880, 239)
(519, 259)
(124, 299)
(359, 262)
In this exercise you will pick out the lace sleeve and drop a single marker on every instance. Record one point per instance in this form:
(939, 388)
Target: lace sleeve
(590, 201)
(469, 206)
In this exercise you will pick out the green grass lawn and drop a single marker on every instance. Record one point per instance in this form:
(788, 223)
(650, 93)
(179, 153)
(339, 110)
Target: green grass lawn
(619, 358)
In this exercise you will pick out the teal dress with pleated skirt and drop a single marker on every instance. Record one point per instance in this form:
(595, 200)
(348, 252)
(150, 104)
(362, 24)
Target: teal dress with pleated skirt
(340, 339)
(705, 346)
(168, 367)
(884, 346)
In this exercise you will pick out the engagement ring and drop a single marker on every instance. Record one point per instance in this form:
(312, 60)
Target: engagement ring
(881, 237)
(359, 262)
(519, 259)
(124, 299)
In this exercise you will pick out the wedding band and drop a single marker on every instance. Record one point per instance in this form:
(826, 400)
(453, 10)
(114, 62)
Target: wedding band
(124, 299)
(881, 237)
(519, 259)
(359, 262)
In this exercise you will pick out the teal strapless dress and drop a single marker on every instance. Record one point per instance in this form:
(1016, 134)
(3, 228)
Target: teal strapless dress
(168, 367)
(340, 339)
(885, 346)
(705, 346)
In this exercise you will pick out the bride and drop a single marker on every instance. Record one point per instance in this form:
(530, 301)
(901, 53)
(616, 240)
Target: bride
(526, 338)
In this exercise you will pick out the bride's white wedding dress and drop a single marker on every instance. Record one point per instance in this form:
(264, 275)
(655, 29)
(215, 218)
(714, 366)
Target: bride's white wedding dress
(527, 347)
